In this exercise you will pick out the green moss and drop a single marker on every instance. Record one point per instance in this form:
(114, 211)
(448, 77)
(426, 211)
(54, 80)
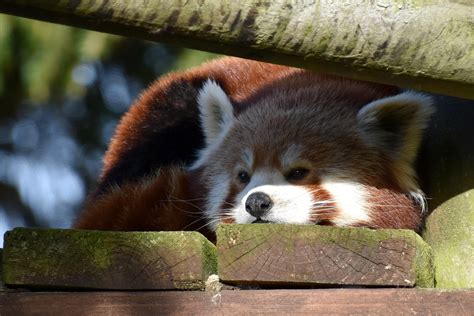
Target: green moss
(447, 169)
(423, 264)
(109, 260)
(101, 258)
(210, 257)
(450, 232)
(236, 241)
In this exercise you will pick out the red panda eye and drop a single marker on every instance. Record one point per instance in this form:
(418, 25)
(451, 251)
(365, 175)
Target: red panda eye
(243, 176)
(297, 174)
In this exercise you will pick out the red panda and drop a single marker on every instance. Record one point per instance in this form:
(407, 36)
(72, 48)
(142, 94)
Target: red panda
(240, 141)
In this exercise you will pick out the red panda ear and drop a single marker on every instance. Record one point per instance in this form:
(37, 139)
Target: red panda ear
(216, 110)
(395, 124)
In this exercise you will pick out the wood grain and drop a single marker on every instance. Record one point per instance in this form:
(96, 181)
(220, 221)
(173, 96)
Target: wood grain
(280, 302)
(308, 255)
(423, 45)
(53, 258)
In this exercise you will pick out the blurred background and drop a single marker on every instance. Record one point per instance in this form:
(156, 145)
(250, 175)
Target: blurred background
(62, 92)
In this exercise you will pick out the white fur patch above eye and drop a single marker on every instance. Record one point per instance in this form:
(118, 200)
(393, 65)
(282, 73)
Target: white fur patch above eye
(291, 155)
(248, 158)
(350, 199)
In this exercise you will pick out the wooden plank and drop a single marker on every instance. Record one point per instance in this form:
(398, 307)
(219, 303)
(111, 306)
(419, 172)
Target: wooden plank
(54, 258)
(427, 45)
(450, 233)
(250, 302)
(2, 287)
(446, 168)
(308, 255)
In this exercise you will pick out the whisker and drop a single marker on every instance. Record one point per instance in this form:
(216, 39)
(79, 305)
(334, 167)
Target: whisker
(184, 201)
(209, 223)
(191, 213)
(324, 202)
(389, 205)
(195, 199)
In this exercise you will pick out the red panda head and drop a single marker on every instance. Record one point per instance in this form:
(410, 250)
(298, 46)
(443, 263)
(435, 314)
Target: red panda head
(308, 154)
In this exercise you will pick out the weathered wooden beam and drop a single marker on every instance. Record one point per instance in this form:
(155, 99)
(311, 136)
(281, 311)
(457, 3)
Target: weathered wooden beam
(424, 45)
(2, 287)
(248, 302)
(446, 168)
(53, 258)
(450, 232)
(309, 255)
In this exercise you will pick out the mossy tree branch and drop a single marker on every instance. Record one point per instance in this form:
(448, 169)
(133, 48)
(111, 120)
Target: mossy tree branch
(427, 45)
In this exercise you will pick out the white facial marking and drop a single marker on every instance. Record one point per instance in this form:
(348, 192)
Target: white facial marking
(350, 199)
(291, 203)
(291, 155)
(248, 158)
(217, 195)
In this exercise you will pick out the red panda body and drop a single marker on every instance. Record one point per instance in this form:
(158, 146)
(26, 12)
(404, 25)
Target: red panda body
(238, 141)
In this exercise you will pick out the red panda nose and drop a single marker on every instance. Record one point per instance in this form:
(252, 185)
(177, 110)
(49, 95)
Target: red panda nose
(258, 203)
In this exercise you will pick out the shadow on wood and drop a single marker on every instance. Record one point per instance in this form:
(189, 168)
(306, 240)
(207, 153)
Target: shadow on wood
(281, 302)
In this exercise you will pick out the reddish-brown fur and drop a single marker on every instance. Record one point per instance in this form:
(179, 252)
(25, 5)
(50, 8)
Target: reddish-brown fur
(164, 201)
(389, 210)
(239, 79)
(133, 197)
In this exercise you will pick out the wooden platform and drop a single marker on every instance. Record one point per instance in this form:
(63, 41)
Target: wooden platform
(68, 259)
(326, 301)
(283, 256)
(307, 256)
(80, 259)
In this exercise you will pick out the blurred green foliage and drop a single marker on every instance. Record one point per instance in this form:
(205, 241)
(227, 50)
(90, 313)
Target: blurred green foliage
(36, 59)
(62, 91)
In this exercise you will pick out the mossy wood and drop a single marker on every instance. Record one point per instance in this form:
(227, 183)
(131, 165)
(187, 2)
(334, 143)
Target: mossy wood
(450, 232)
(308, 255)
(427, 45)
(446, 168)
(53, 258)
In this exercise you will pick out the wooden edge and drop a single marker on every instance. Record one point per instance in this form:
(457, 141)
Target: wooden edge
(86, 259)
(280, 256)
(327, 301)
(420, 46)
